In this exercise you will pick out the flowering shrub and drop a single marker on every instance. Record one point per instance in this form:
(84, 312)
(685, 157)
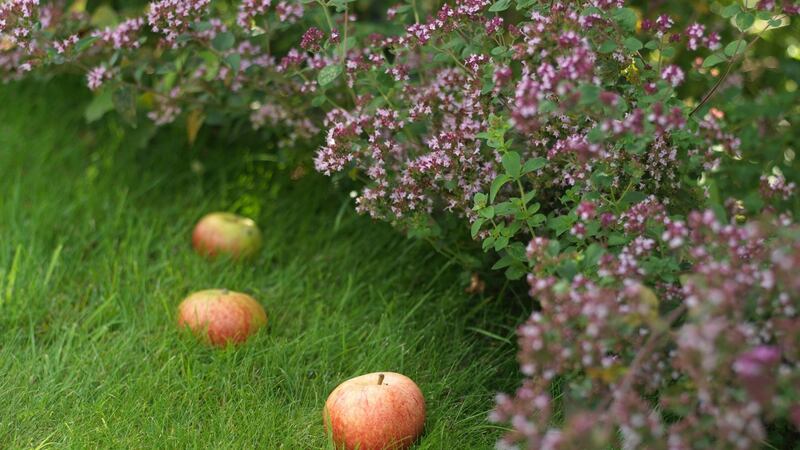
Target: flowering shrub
(609, 154)
(566, 129)
(702, 359)
(178, 59)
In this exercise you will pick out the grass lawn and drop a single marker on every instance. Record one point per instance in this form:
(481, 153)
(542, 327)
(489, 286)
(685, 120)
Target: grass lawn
(95, 257)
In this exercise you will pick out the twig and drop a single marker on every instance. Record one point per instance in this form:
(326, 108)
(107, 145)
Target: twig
(733, 60)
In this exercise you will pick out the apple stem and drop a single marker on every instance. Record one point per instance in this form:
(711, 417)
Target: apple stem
(380, 379)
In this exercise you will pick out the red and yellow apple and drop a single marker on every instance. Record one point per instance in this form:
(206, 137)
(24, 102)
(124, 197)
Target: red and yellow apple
(225, 233)
(220, 316)
(377, 411)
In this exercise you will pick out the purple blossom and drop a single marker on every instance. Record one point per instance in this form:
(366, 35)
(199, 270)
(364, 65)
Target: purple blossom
(123, 36)
(695, 33)
(289, 12)
(249, 10)
(775, 186)
(673, 75)
(312, 39)
(17, 18)
(494, 25)
(97, 76)
(663, 24)
(167, 108)
(63, 46)
(171, 18)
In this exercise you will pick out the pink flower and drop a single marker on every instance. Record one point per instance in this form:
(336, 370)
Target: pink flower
(249, 9)
(673, 75)
(97, 76)
(171, 18)
(695, 32)
(289, 12)
(311, 39)
(125, 35)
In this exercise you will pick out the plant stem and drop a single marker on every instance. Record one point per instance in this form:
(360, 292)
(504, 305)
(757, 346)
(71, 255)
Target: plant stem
(327, 15)
(524, 207)
(452, 55)
(733, 60)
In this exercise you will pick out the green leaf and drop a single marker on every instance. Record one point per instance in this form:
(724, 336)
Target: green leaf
(503, 262)
(713, 60)
(328, 74)
(233, 61)
(744, 20)
(735, 48)
(517, 252)
(553, 248)
(607, 46)
(496, 185)
(527, 199)
(480, 200)
(212, 64)
(500, 5)
(633, 44)
(592, 255)
(730, 10)
(626, 17)
(533, 165)
(85, 43)
(668, 51)
(515, 272)
(522, 4)
(561, 224)
(99, 106)
(567, 269)
(500, 243)
(476, 227)
(763, 15)
(223, 41)
(589, 94)
(318, 101)
(487, 243)
(778, 23)
(617, 239)
(505, 209)
(536, 220)
(498, 51)
(512, 164)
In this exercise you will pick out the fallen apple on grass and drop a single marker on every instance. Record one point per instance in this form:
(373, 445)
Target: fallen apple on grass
(377, 411)
(226, 233)
(220, 316)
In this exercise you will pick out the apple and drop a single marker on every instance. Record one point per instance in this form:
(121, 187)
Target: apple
(377, 411)
(226, 233)
(221, 316)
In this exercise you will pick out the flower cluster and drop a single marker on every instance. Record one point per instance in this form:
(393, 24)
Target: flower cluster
(171, 18)
(97, 76)
(17, 20)
(123, 36)
(721, 349)
(249, 10)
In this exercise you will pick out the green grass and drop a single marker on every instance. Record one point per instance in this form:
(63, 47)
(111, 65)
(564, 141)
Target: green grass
(95, 257)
